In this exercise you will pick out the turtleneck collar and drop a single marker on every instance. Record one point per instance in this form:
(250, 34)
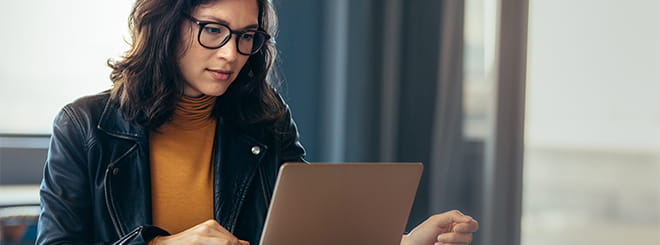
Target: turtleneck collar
(193, 113)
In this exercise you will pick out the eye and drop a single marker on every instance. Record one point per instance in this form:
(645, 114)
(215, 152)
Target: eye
(212, 29)
(247, 36)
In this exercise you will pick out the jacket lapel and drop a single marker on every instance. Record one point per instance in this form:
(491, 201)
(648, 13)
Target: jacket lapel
(236, 159)
(127, 183)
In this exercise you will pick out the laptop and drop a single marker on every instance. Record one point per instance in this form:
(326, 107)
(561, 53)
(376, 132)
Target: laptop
(341, 203)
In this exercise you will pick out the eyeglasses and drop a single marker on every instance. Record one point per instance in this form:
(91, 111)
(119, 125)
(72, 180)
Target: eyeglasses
(213, 35)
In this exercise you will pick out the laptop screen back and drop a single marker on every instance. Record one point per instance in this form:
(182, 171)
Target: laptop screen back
(341, 203)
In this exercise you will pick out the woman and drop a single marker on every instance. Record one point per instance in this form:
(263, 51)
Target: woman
(185, 147)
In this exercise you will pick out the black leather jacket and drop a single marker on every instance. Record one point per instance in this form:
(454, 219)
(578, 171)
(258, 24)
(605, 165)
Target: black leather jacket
(96, 185)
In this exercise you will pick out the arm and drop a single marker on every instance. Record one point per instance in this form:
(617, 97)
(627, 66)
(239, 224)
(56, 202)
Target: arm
(65, 193)
(66, 190)
(209, 232)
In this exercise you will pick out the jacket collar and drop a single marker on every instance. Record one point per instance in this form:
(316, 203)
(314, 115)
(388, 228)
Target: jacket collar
(112, 122)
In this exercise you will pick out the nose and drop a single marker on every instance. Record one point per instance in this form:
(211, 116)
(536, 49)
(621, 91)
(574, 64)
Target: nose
(229, 51)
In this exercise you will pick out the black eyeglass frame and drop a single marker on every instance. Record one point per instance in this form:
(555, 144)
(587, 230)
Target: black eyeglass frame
(202, 24)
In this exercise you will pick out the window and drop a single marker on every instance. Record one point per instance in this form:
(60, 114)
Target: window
(54, 52)
(592, 151)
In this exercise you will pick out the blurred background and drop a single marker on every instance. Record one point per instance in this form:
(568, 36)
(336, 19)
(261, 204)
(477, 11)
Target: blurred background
(541, 119)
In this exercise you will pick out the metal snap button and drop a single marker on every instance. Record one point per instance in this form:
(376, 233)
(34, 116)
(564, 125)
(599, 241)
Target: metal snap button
(255, 150)
(115, 171)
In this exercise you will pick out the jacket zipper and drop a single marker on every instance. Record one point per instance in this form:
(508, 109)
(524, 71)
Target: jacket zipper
(130, 236)
(108, 204)
(106, 188)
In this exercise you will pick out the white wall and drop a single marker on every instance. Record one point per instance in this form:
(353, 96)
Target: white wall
(53, 52)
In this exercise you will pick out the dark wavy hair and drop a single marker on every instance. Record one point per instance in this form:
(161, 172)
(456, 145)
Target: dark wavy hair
(147, 81)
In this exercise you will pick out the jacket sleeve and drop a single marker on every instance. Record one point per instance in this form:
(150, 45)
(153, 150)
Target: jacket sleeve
(66, 203)
(65, 216)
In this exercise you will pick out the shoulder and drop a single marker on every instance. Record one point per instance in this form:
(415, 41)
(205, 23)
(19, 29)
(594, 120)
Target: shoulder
(286, 135)
(83, 112)
(285, 123)
(90, 103)
(267, 130)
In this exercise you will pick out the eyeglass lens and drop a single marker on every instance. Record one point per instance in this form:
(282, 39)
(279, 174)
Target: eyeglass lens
(214, 36)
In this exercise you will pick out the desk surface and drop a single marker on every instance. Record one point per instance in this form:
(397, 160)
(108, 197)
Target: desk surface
(19, 194)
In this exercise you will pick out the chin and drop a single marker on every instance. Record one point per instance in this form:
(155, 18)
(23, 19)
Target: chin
(215, 91)
(210, 88)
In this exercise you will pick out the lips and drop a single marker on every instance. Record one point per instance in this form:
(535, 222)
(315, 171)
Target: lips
(221, 75)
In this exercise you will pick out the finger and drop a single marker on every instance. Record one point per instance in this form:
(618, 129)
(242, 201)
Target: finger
(221, 240)
(455, 237)
(211, 228)
(467, 227)
(453, 216)
(215, 226)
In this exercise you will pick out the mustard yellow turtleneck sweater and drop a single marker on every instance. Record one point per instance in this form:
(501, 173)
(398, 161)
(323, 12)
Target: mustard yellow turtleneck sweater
(181, 169)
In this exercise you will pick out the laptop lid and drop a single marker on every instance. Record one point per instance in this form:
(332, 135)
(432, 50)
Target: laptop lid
(341, 203)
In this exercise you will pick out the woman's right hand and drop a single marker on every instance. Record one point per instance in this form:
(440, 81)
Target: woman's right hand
(209, 232)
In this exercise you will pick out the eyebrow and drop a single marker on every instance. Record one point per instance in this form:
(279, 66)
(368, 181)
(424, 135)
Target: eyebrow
(221, 21)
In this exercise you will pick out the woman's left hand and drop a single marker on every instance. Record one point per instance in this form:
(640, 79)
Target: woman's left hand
(447, 228)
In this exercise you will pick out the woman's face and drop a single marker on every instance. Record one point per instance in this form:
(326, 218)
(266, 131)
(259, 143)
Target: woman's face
(211, 71)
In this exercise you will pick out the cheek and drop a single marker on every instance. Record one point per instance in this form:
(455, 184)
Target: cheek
(242, 61)
(189, 59)
(184, 48)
